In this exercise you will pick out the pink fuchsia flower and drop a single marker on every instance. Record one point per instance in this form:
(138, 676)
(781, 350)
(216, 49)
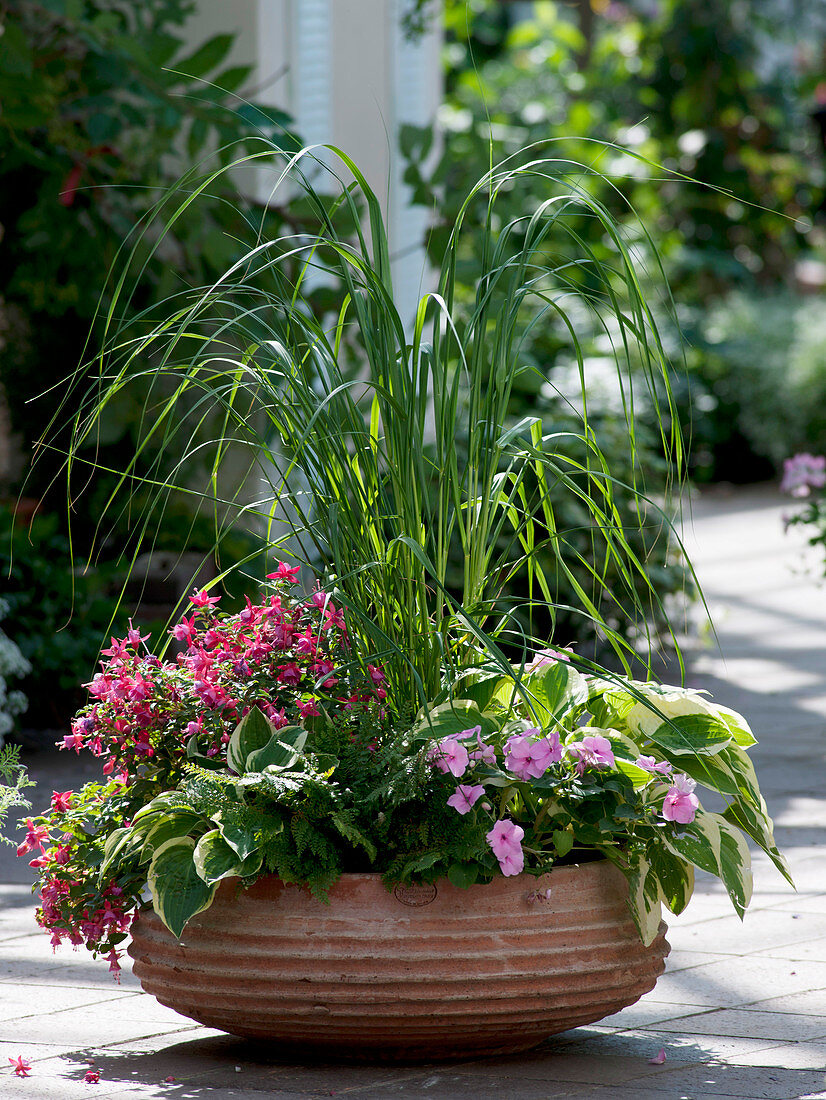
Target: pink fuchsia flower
(465, 797)
(802, 473)
(505, 839)
(528, 757)
(591, 752)
(376, 675)
(203, 599)
(285, 572)
(22, 1066)
(35, 835)
(656, 767)
(62, 801)
(681, 803)
(449, 755)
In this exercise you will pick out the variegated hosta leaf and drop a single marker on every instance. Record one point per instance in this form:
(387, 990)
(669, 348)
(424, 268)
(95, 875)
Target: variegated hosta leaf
(714, 845)
(740, 729)
(178, 891)
(175, 822)
(691, 734)
(638, 776)
(451, 718)
(735, 865)
(281, 751)
(252, 732)
(214, 859)
(644, 899)
(756, 823)
(699, 842)
(555, 691)
(675, 876)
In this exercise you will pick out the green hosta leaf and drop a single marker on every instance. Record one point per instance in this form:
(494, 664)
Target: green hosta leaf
(253, 732)
(690, 734)
(173, 823)
(676, 878)
(240, 837)
(281, 751)
(738, 726)
(167, 800)
(178, 891)
(451, 718)
(492, 689)
(120, 845)
(214, 859)
(745, 777)
(638, 776)
(556, 691)
(712, 771)
(644, 899)
(698, 842)
(756, 823)
(735, 865)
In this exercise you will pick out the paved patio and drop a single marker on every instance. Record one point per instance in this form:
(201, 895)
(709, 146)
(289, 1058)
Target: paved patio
(740, 1012)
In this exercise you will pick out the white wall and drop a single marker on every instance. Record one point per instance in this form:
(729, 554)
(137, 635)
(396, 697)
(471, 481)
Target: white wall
(345, 73)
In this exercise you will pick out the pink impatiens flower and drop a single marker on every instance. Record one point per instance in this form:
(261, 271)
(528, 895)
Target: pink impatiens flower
(485, 753)
(650, 764)
(22, 1066)
(449, 755)
(681, 803)
(505, 839)
(528, 757)
(591, 752)
(465, 797)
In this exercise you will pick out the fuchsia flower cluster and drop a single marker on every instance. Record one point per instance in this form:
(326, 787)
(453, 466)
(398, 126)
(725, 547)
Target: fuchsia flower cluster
(287, 656)
(531, 755)
(281, 655)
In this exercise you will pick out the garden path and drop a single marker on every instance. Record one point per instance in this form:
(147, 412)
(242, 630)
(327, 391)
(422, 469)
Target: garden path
(740, 1012)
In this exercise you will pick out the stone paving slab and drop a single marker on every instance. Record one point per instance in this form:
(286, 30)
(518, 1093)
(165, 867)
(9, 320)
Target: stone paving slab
(740, 1011)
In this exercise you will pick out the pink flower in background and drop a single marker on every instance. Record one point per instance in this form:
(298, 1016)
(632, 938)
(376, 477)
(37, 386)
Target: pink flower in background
(545, 657)
(465, 797)
(591, 752)
(285, 572)
(449, 755)
(656, 767)
(528, 757)
(203, 599)
(505, 839)
(802, 473)
(22, 1066)
(681, 803)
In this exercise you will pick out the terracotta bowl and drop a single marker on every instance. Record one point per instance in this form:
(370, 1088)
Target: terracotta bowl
(428, 972)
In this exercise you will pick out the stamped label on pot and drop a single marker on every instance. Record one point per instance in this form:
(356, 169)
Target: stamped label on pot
(415, 895)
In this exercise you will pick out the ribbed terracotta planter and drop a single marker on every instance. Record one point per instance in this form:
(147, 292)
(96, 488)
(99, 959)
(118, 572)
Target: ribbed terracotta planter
(422, 973)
